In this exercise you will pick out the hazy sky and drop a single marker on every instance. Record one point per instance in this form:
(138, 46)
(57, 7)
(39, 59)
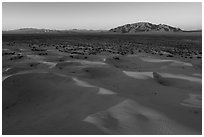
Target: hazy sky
(104, 15)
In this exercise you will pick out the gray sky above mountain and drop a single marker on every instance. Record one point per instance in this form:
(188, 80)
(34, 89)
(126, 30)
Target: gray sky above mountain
(187, 16)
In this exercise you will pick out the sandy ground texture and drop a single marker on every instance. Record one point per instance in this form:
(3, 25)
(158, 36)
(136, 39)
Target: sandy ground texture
(62, 94)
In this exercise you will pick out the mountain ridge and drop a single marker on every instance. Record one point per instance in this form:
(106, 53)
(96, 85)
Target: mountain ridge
(144, 27)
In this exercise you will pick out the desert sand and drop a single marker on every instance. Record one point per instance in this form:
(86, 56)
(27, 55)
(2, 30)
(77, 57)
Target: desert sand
(99, 94)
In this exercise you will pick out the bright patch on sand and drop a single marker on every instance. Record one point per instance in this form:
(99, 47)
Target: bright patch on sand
(105, 91)
(174, 62)
(197, 74)
(40, 59)
(147, 75)
(184, 77)
(6, 69)
(86, 62)
(194, 100)
(61, 75)
(35, 57)
(133, 55)
(82, 83)
(165, 53)
(5, 77)
(139, 75)
(129, 117)
(102, 91)
(51, 64)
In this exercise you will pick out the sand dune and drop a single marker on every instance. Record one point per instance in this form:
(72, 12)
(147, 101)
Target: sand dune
(41, 59)
(80, 64)
(174, 62)
(20, 73)
(68, 64)
(102, 91)
(184, 77)
(146, 75)
(100, 94)
(50, 104)
(101, 72)
(129, 117)
(180, 81)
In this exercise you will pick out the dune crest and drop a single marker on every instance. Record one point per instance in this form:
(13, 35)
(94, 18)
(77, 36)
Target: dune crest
(139, 75)
(174, 62)
(147, 75)
(184, 77)
(102, 91)
(51, 64)
(86, 62)
(82, 83)
(20, 73)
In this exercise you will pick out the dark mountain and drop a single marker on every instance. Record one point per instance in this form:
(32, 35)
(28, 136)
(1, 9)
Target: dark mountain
(144, 27)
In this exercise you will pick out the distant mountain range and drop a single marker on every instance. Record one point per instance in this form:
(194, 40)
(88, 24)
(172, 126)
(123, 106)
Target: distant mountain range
(39, 31)
(144, 27)
(128, 28)
(30, 30)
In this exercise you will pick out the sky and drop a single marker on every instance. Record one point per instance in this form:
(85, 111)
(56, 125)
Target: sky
(99, 16)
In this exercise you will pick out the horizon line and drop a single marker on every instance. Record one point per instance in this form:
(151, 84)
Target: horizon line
(77, 29)
(102, 29)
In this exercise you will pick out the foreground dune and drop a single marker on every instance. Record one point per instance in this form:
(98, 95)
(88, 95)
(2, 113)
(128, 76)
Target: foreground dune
(129, 117)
